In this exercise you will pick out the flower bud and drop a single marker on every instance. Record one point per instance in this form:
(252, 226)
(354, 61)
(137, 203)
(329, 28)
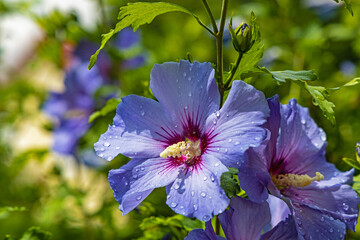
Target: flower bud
(241, 37)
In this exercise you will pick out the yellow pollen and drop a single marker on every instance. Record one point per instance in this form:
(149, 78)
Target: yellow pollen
(294, 180)
(185, 148)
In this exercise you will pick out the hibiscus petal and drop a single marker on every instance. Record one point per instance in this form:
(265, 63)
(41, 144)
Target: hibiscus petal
(248, 218)
(141, 129)
(340, 204)
(197, 192)
(237, 125)
(197, 234)
(306, 139)
(313, 224)
(285, 230)
(255, 189)
(279, 210)
(187, 91)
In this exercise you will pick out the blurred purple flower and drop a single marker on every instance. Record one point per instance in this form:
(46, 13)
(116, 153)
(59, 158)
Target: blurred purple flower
(358, 149)
(183, 141)
(291, 165)
(246, 220)
(71, 109)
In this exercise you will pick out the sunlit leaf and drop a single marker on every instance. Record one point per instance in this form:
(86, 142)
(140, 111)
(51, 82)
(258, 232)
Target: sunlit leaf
(229, 183)
(35, 233)
(135, 15)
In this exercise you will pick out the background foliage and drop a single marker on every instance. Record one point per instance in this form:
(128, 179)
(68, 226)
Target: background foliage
(65, 199)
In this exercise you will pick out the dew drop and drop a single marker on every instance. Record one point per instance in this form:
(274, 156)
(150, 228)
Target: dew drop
(109, 158)
(220, 211)
(142, 168)
(117, 148)
(184, 74)
(217, 114)
(173, 204)
(237, 143)
(257, 138)
(214, 122)
(168, 196)
(206, 218)
(195, 207)
(226, 150)
(142, 113)
(331, 230)
(212, 179)
(138, 198)
(345, 207)
(186, 107)
(303, 121)
(126, 183)
(176, 126)
(322, 219)
(189, 78)
(176, 186)
(106, 144)
(227, 115)
(189, 94)
(205, 178)
(101, 155)
(137, 170)
(192, 193)
(203, 194)
(217, 164)
(230, 140)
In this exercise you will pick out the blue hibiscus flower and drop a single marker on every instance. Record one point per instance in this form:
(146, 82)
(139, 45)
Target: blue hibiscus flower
(291, 165)
(246, 220)
(182, 141)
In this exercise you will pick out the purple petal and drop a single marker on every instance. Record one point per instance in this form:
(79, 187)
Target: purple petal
(198, 234)
(285, 230)
(255, 188)
(306, 139)
(197, 192)
(340, 204)
(121, 181)
(279, 210)
(248, 218)
(141, 129)
(55, 105)
(237, 125)
(313, 224)
(187, 91)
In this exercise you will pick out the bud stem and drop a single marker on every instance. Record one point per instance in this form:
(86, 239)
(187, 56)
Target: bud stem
(233, 71)
(211, 16)
(219, 46)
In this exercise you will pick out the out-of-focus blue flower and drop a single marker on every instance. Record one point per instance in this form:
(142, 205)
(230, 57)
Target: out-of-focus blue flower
(71, 109)
(127, 38)
(291, 165)
(246, 220)
(348, 68)
(358, 149)
(325, 9)
(183, 141)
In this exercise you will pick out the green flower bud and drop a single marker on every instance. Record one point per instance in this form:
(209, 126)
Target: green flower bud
(241, 37)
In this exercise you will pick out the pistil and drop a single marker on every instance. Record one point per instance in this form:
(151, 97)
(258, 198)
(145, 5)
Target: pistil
(185, 148)
(294, 180)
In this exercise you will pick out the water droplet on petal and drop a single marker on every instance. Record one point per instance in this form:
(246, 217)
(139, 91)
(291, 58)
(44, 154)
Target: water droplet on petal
(226, 150)
(117, 148)
(345, 207)
(189, 94)
(217, 164)
(192, 193)
(331, 230)
(303, 121)
(186, 107)
(206, 218)
(168, 196)
(237, 143)
(189, 78)
(142, 168)
(142, 113)
(101, 155)
(322, 219)
(173, 204)
(176, 186)
(230, 140)
(109, 158)
(214, 122)
(203, 194)
(227, 115)
(106, 144)
(184, 74)
(218, 114)
(195, 207)
(126, 183)
(205, 178)
(138, 198)
(212, 179)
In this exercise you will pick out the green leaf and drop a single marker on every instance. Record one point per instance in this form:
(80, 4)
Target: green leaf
(229, 183)
(356, 184)
(135, 15)
(110, 106)
(320, 97)
(353, 163)
(35, 233)
(347, 5)
(351, 83)
(177, 226)
(283, 76)
(12, 209)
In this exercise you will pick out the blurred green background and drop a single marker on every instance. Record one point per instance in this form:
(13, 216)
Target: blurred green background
(70, 200)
